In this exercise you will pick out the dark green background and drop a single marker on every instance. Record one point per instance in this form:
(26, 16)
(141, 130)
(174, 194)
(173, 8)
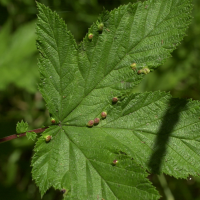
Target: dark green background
(19, 98)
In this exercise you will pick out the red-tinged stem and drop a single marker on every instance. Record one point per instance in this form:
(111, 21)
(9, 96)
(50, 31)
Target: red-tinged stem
(11, 137)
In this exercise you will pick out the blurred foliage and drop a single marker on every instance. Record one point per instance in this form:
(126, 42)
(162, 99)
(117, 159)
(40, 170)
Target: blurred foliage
(19, 98)
(18, 57)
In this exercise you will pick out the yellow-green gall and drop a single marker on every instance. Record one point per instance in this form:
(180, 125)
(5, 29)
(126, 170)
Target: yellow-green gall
(100, 26)
(133, 66)
(145, 70)
(48, 138)
(90, 36)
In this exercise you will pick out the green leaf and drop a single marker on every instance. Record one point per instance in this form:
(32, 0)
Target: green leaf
(87, 173)
(31, 135)
(18, 57)
(21, 127)
(79, 82)
(158, 132)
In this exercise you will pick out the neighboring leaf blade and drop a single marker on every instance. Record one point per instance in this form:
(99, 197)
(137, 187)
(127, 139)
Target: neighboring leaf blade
(133, 33)
(18, 57)
(48, 167)
(87, 173)
(58, 64)
(161, 133)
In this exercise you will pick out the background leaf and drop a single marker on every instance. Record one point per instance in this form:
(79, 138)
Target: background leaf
(18, 57)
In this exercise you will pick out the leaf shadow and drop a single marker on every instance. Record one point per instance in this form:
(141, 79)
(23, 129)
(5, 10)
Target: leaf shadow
(170, 119)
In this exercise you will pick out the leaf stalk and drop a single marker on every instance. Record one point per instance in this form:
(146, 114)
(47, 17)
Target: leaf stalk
(11, 137)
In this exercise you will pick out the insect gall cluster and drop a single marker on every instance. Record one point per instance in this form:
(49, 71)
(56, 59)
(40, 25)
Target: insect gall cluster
(144, 70)
(103, 115)
(100, 29)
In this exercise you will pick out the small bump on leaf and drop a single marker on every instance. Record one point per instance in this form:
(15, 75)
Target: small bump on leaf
(90, 36)
(53, 120)
(145, 70)
(115, 162)
(100, 26)
(96, 120)
(90, 123)
(104, 114)
(114, 99)
(48, 138)
(133, 66)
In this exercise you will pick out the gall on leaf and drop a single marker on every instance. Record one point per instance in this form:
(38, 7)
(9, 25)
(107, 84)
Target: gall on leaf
(133, 66)
(53, 120)
(114, 99)
(100, 27)
(115, 162)
(90, 123)
(104, 114)
(48, 138)
(90, 36)
(145, 70)
(96, 120)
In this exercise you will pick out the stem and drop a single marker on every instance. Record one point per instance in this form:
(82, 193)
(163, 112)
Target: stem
(167, 191)
(11, 137)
